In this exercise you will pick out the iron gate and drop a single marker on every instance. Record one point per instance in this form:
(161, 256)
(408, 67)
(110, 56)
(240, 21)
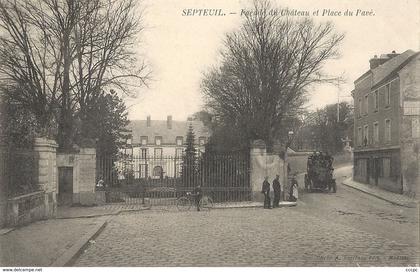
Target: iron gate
(161, 180)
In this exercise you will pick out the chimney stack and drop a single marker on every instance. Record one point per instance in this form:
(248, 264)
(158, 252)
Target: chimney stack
(149, 122)
(375, 61)
(169, 122)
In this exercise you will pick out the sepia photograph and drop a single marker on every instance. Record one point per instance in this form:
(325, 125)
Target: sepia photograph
(223, 134)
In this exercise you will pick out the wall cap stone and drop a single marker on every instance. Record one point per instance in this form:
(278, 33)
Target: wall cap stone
(258, 144)
(44, 142)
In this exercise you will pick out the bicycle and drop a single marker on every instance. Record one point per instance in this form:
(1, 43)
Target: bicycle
(184, 203)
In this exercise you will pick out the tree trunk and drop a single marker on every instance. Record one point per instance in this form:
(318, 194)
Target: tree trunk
(66, 122)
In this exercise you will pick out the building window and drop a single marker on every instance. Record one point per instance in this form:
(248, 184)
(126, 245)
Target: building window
(158, 152)
(387, 95)
(178, 152)
(375, 132)
(366, 135)
(158, 140)
(143, 140)
(158, 171)
(179, 141)
(387, 130)
(143, 170)
(144, 153)
(359, 136)
(366, 104)
(376, 100)
(359, 113)
(201, 141)
(415, 127)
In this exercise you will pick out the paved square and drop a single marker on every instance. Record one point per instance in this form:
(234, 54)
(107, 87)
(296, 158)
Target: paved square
(239, 237)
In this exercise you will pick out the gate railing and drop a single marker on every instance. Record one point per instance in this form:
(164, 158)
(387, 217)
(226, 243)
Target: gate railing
(168, 196)
(130, 179)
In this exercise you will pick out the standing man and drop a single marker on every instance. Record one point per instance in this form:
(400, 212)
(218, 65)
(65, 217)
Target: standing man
(277, 191)
(198, 194)
(266, 192)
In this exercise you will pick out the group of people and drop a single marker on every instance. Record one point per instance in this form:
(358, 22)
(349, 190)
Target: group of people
(320, 159)
(278, 192)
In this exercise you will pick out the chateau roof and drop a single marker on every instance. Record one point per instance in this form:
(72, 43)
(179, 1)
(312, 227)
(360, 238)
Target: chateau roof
(160, 128)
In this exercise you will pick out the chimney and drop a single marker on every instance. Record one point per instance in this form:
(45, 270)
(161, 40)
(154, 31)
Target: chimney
(169, 122)
(149, 122)
(375, 61)
(392, 54)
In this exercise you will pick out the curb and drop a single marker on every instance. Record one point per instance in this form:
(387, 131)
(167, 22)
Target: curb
(5, 231)
(74, 251)
(255, 206)
(117, 212)
(411, 205)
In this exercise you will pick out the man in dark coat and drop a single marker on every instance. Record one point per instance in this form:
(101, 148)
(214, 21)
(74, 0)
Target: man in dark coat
(198, 194)
(277, 191)
(266, 192)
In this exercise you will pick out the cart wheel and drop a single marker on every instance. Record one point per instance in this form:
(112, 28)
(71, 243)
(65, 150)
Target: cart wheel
(334, 187)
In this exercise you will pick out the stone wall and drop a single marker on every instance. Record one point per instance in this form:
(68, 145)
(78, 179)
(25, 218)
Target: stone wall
(298, 160)
(84, 174)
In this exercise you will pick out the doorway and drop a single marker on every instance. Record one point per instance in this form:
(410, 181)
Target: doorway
(65, 186)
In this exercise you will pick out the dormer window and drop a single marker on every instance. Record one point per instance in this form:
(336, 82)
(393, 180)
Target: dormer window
(143, 140)
(179, 141)
(158, 140)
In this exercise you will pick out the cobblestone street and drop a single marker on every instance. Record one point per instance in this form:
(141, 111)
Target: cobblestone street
(239, 237)
(349, 228)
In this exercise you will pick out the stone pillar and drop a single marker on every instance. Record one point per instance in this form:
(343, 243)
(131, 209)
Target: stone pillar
(262, 165)
(87, 176)
(47, 173)
(258, 151)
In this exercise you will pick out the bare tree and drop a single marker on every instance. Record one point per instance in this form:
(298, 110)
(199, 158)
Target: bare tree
(58, 57)
(267, 66)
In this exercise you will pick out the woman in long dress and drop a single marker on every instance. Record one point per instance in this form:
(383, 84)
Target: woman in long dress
(293, 195)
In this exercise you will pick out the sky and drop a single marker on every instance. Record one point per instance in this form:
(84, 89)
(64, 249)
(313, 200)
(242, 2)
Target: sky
(179, 49)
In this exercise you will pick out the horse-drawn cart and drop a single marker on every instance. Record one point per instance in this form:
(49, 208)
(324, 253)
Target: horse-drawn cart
(319, 174)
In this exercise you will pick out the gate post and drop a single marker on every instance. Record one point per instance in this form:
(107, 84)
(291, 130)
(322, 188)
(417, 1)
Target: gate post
(45, 151)
(258, 151)
(87, 176)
